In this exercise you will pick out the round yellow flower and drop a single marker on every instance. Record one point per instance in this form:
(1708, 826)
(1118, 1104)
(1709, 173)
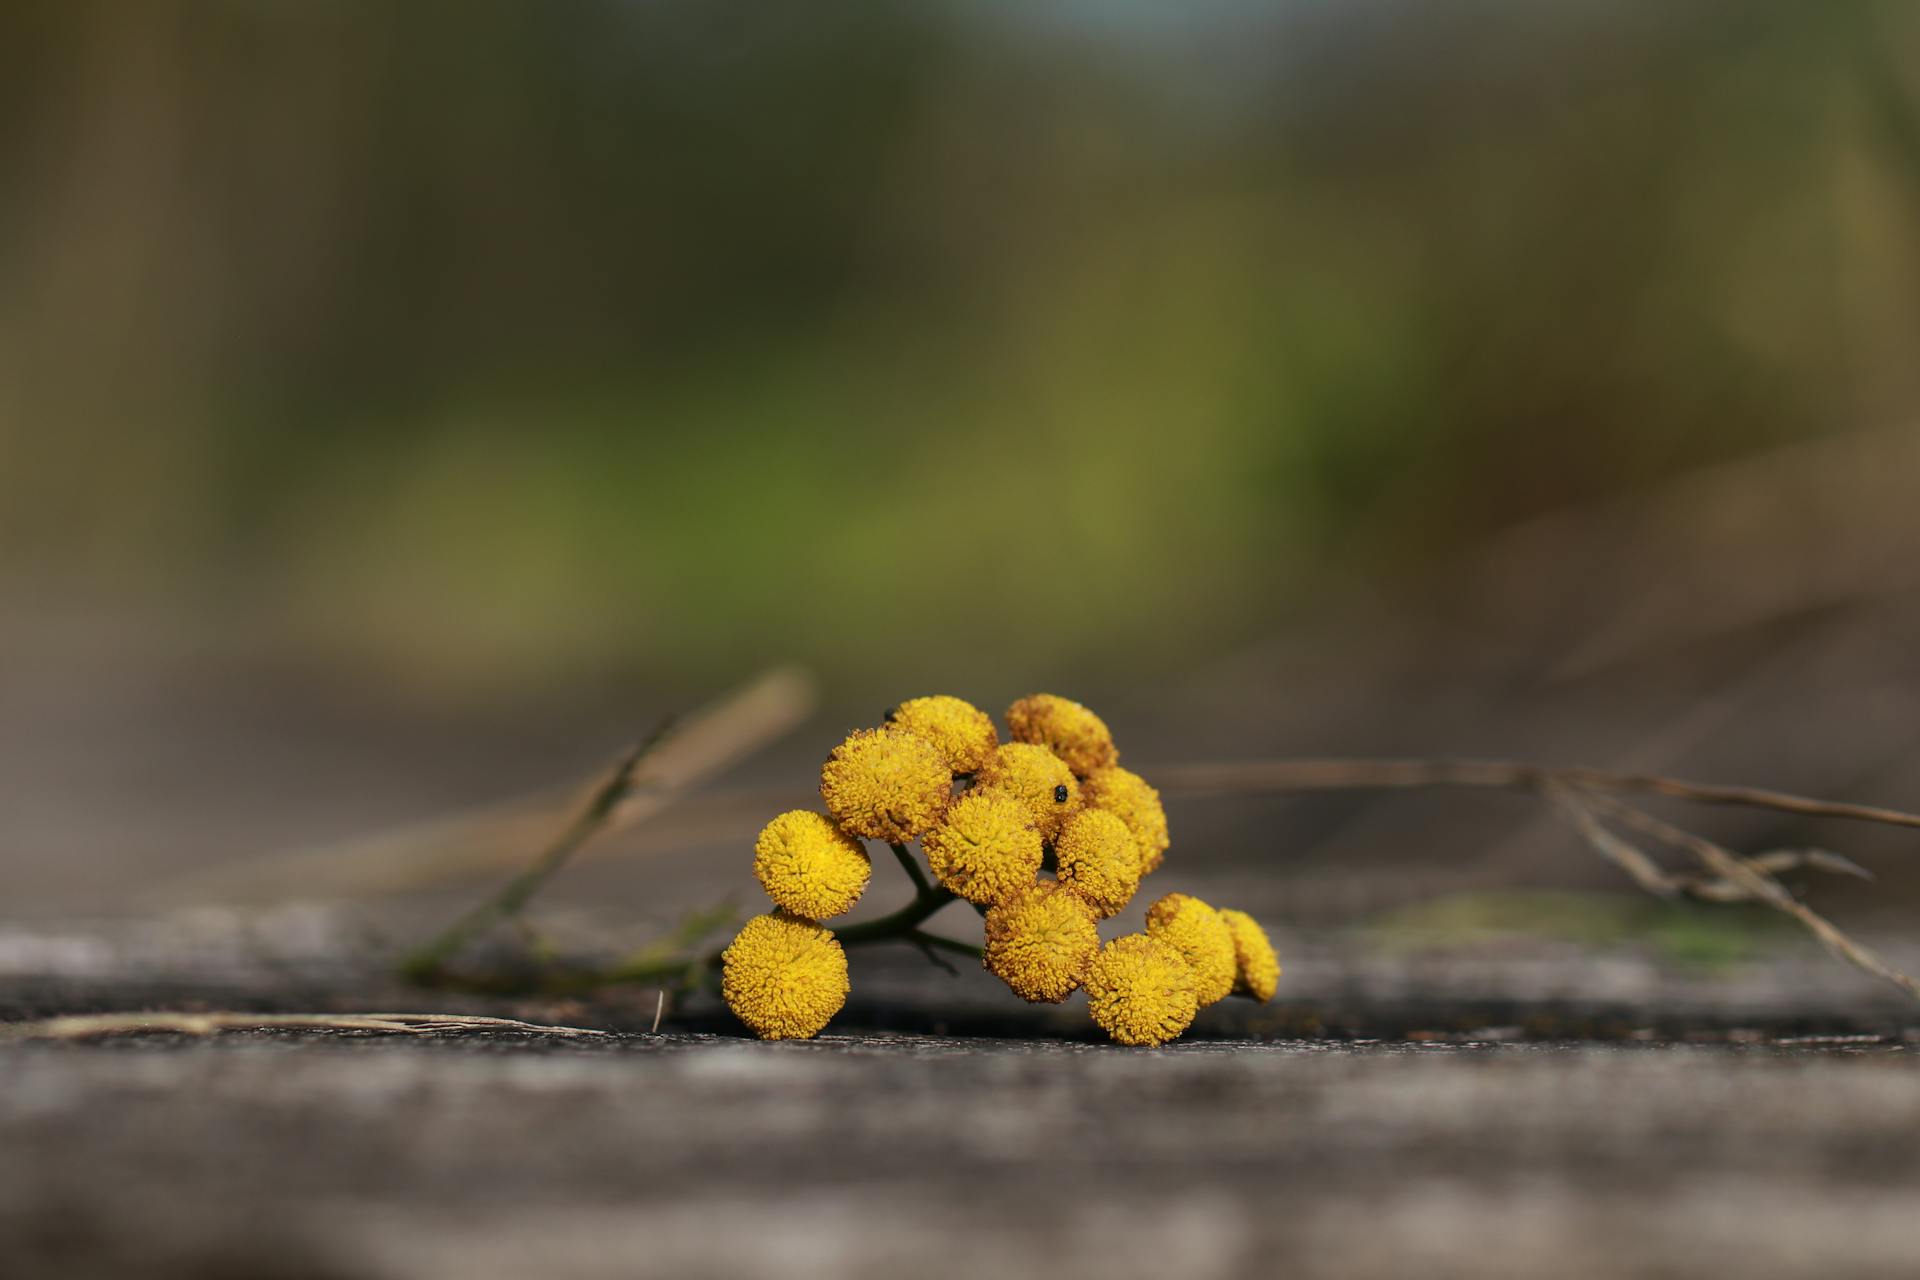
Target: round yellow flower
(886, 784)
(1040, 941)
(963, 732)
(1039, 778)
(986, 847)
(785, 978)
(1197, 932)
(1140, 990)
(1127, 796)
(1097, 858)
(1065, 728)
(809, 866)
(1256, 967)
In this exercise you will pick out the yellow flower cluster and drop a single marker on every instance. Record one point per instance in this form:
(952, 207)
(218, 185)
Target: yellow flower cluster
(886, 784)
(784, 977)
(1203, 940)
(1040, 941)
(960, 731)
(809, 866)
(1073, 733)
(1140, 991)
(1046, 834)
(1256, 967)
(1097, 857)
(986, 848)
(1040, 779)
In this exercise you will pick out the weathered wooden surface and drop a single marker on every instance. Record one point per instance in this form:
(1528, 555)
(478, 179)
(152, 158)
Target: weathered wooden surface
(874, 1155)
(1516, 1110)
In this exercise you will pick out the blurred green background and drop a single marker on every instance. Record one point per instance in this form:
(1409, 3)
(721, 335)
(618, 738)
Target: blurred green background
(492, 343)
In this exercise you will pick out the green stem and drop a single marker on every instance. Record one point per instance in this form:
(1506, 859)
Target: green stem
(898, 923)
(684, 972)
(921, 938)
(911, 865)
(430, 958)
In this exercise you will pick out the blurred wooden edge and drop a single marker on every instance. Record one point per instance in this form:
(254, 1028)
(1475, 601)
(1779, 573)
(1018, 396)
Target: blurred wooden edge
(501, 838)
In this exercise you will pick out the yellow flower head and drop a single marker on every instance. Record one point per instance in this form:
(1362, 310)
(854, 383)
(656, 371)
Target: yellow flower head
(1039, 778)
(1065, 728)
(1098, 860)
(1256, 967)
(809, 866)
(986, 847)
(785, 978)
(1127, 796)
(1197, 932)
(886, 784)
(1040, 941)
(963, 732)
(1140, 990)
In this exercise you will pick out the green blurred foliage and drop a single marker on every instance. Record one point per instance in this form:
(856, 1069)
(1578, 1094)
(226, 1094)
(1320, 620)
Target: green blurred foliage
(510, 339)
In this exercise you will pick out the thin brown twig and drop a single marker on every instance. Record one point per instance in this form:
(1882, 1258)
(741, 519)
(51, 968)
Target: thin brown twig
(1577, 807)
(1257, 777)
(1774, 862)
(496, 837)
(1640, 868)
(90, 1026)
(1759, 885)
(410, 859)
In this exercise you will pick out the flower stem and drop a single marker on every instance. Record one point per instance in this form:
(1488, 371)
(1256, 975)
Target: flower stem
(911, 865)
(687, 972)
(899, 923)
(921, 938)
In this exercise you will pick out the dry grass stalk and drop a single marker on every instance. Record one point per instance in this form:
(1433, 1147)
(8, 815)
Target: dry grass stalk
(1640, 868)
(1583, 796)
(1762, 887)
(1261, 777)
(496, 838)
(95, 1025)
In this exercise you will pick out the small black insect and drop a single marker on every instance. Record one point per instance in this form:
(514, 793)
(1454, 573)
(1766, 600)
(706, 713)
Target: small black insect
(893, 713)
(1060, 794)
